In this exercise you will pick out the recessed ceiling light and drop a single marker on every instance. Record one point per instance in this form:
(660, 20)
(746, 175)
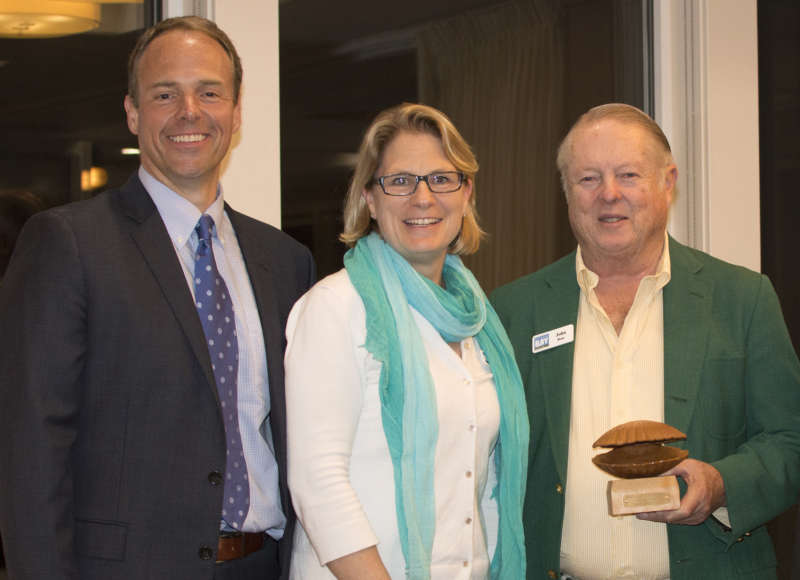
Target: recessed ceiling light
(129, 151)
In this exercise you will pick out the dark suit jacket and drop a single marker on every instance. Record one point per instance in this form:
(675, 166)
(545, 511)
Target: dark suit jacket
(111, 432)
(732, 384)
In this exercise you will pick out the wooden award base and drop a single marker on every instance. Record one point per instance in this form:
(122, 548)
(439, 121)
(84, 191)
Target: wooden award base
(646, 494)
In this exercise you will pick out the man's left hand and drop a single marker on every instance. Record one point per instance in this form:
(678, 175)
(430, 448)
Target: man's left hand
(705, 492)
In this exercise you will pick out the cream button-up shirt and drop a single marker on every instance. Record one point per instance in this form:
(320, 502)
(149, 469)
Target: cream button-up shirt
(615, 379)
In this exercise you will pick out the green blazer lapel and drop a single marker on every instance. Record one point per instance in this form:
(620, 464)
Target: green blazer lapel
(557, 307)
(687, 317)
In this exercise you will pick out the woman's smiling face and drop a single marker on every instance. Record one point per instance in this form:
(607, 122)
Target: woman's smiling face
(420, 226)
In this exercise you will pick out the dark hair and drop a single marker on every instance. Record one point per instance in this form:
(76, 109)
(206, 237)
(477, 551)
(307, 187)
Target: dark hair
(190, 23)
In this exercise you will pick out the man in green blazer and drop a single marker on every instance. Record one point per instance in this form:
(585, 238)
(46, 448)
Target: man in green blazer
(634, 325)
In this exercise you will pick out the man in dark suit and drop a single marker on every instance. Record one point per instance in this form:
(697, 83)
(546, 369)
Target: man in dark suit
(634, 325)
(141, 378)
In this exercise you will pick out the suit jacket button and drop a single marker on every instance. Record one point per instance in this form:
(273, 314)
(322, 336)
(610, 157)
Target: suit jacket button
(559, 489)
(205, 553)
(552, 574)
(215, 478)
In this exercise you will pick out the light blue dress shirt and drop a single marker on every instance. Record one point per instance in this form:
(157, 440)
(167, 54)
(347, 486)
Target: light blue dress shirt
(180, 217)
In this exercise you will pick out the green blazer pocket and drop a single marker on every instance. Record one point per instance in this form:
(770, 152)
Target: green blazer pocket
(721, 398)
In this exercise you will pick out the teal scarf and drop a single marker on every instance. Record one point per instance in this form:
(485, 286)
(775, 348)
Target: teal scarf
(387, 285)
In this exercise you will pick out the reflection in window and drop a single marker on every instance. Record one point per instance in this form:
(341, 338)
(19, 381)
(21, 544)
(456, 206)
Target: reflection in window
(512, 75)
(61, 114)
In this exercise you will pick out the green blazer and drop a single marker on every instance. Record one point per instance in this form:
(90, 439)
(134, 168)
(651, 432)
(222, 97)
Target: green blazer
(731, 382)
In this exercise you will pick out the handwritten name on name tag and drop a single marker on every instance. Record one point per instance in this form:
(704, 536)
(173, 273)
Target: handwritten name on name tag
(553, 338)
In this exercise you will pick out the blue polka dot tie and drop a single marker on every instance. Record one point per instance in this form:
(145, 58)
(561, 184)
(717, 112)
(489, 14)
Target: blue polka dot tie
(215, 308)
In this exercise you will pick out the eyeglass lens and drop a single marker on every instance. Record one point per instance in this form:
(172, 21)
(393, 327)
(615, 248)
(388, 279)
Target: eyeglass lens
(407, 183)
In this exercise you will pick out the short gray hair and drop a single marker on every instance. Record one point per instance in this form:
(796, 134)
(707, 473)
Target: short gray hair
(617, 112)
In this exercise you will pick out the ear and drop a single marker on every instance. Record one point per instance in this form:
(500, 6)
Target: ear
(132, 114)
(237, 115)
(670, 180)
(467, 189)
(368, 197)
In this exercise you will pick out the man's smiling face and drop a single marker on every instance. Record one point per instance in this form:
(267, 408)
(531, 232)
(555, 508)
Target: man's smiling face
(619, 189)
(186, 115)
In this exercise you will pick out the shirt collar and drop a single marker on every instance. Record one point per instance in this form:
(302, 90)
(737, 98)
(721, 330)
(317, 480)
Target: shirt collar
(179, 215)
(587, 279)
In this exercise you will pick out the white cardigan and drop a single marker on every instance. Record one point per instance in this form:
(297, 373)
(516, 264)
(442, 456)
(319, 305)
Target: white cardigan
(340, 472)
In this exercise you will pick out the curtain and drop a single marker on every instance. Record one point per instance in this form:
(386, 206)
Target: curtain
(498, 73)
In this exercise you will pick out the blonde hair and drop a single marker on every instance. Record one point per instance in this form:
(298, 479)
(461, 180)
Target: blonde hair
(412, 118)
(621, 113)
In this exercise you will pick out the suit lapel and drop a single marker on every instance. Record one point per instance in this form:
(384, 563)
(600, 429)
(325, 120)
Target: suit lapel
(687, 322)
(156, 247)
(554, 366)
(263, 283)
(256, 255)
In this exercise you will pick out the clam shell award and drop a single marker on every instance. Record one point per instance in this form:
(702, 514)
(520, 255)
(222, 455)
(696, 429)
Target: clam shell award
(639, 456)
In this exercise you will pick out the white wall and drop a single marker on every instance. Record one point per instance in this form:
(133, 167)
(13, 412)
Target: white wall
(251, 179)
(732, 109)
(706, 94)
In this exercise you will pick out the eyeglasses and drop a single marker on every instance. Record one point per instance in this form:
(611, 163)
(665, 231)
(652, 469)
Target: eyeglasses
(406, 183)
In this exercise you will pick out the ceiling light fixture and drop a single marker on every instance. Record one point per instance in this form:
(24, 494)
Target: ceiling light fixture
(46, 18)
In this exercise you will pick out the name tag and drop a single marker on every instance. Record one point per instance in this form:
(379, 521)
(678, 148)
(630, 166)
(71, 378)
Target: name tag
(553, 338)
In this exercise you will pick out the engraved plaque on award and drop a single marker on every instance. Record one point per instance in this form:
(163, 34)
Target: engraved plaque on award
(639, 456)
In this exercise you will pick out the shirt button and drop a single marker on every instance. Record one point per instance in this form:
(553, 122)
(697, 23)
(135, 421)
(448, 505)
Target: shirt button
(468, 473)
(468, 521)
(472, 427)
(466, 381)
(468, 344)
(465, 564)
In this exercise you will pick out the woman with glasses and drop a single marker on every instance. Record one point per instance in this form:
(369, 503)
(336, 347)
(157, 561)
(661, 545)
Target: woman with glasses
(407, 430)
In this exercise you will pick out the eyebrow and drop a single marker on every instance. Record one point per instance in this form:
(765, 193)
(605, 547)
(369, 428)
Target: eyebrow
(171, 84)
(404, 172)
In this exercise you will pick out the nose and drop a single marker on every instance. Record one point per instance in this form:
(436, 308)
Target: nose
(423, 196)
(610, 189)
(189, 109)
